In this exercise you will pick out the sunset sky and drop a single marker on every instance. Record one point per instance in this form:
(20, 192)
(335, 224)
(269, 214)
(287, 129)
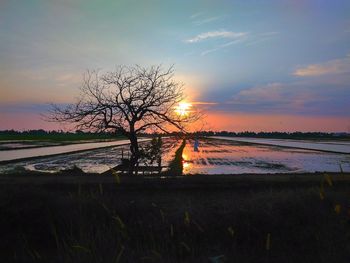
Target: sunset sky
(280, 65)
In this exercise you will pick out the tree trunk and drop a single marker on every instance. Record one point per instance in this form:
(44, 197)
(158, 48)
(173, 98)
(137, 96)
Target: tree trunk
(135, 154)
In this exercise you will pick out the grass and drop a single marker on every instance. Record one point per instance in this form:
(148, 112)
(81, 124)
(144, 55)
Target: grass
(251, 218)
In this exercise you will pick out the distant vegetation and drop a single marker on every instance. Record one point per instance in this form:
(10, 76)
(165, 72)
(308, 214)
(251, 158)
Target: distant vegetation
(280, 135)
(43, 135)
(80, 135)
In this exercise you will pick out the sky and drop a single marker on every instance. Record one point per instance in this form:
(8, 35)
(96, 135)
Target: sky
(280, 65)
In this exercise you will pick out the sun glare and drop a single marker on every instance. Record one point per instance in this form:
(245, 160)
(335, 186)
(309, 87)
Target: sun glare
(183, 108)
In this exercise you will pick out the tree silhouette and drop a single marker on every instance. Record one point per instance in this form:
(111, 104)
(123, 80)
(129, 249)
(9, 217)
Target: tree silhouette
(129, 100)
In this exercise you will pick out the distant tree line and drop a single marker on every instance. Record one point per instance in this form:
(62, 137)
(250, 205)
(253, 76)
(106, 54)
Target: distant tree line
(55, 135)
(280, 135)
(105, 134)
(44, 132)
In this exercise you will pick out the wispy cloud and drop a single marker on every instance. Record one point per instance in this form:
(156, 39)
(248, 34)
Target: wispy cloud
(336, 66)
(195, 15)
(233, 42)
(216, 34)
(249, 39)
(205, 52)
(207, 20)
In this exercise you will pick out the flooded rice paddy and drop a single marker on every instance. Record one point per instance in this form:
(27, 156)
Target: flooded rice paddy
(6, 145)
(16, 145)
(94, 161)
(229, 157)
(215, 156)
(13, 154)
(328, 146)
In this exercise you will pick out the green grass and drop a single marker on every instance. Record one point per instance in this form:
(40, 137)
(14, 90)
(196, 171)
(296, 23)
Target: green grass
(187, 219)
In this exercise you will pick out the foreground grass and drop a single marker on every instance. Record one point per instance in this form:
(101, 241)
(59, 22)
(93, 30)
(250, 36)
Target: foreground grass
(180, 219)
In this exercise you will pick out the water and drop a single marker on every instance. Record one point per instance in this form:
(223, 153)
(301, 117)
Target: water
(94, 161)
(230, 157)
(16, 145)
(214, 157)
(329, 146)
(10, 155)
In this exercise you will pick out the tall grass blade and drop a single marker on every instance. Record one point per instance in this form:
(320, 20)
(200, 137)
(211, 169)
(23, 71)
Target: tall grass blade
(120, 254)
(187, 219)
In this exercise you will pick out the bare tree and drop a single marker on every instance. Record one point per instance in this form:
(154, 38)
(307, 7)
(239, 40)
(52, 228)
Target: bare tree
(129, 100)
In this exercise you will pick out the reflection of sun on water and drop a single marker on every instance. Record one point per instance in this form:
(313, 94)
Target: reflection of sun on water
(185, 162)
(183, 108)
(186, 165)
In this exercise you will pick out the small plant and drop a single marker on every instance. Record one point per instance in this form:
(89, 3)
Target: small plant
(152, 152)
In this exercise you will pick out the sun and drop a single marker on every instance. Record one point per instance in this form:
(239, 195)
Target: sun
(183, 108)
